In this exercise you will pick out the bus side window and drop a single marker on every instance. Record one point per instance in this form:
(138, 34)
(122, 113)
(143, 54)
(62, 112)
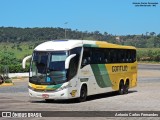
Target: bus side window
(133, 55)
(121, 56)
(107, 55)
(112, 56)
(128, 60)
(72, 68)
(86, 59)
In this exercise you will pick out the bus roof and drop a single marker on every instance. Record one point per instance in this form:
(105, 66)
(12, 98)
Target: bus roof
(57, 45)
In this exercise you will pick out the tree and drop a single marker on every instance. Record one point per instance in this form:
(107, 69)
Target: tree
(158, 35)
(156, 42)
(152, 33)
(8, 58)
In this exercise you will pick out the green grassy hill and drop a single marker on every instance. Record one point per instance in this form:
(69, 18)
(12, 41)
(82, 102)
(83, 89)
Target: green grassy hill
(20, 50)
(24, 49)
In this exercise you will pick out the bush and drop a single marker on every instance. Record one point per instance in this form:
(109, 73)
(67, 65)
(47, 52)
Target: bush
(15, 69)
(18, 69)
(148, 54)
(8, 81)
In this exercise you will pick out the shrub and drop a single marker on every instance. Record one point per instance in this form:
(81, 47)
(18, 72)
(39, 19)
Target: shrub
(8, 81)
(18, 69)
(15, 69)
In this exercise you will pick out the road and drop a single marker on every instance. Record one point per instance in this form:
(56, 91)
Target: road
(149, 66)
(145, 97)
(149, 73)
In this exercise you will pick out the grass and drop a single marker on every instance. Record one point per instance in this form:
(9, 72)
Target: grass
(23, 49)
(150, 62)
(20, 50)
(8, 81)
(146, 49)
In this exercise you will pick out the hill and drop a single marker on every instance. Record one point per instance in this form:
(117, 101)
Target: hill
(16, 43)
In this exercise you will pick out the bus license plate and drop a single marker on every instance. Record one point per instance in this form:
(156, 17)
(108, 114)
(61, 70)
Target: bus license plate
(45, 96)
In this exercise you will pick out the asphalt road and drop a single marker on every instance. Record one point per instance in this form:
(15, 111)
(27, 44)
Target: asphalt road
(145, 97)
(149, 66)
(148, 73)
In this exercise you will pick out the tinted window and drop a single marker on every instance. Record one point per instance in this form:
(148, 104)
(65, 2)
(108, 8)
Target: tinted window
(74, 62)
(107, 55)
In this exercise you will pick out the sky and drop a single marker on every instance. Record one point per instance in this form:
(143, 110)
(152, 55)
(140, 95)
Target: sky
(117, 17)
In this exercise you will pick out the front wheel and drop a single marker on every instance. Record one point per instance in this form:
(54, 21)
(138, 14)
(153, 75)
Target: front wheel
(83, 94)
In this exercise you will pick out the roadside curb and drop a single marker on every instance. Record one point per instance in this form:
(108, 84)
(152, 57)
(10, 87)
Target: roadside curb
(148, 63)
(7, 84)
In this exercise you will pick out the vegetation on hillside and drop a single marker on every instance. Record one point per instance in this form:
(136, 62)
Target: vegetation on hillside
(16, 43)
(36, 35)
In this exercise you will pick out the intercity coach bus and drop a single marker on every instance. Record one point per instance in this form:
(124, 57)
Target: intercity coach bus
(65, 69)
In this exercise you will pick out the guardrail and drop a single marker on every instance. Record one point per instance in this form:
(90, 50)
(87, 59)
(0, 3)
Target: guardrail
(18, 75)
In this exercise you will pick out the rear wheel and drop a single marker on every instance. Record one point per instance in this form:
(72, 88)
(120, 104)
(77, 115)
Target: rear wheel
(121, 88)
(83, 94)
(126, 87)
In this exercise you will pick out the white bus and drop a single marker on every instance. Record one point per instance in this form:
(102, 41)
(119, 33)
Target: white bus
(65, 69)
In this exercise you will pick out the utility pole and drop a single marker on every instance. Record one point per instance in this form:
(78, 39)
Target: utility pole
(65, 32)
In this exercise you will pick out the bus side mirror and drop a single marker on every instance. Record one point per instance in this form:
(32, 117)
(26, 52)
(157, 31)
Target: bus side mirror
(67, 61)
(24, 61)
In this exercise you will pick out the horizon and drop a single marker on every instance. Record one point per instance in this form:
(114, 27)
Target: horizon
(77, 30)
(114, 17)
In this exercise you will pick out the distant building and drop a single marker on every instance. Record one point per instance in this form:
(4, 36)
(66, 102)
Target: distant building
(117, 38)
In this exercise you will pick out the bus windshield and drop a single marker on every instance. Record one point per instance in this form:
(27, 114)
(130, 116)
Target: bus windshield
(48, 68)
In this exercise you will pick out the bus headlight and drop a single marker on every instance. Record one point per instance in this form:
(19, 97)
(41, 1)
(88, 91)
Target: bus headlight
(63, 87)
(30, 87)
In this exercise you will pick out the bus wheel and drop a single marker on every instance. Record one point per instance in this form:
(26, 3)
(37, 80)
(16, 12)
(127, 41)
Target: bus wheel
(83, 94)
(121, 88)
(126, 87)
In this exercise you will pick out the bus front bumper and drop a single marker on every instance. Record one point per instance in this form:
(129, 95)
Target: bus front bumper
(63, 94)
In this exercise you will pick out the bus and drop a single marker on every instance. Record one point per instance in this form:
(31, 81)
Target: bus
(66, 69)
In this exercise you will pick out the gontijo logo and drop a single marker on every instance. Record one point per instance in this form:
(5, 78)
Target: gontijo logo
(119, 68)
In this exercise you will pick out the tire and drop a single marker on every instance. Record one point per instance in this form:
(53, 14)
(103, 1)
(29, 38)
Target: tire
(121, 88)
(126, 87)
(83, 94)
